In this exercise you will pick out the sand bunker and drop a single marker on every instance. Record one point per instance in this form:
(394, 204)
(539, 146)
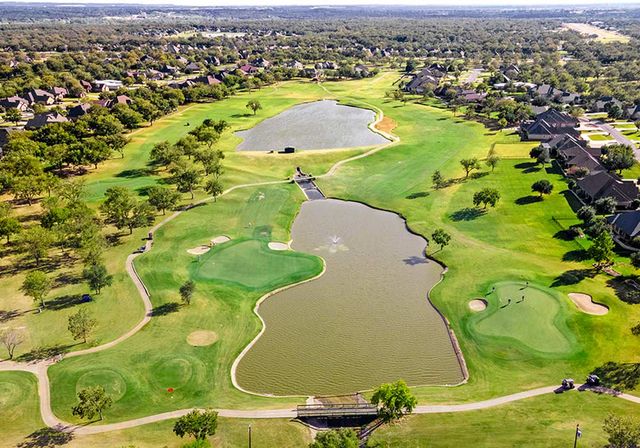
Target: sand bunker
(587, 305)
(478, 305)
(199, 250)
(201, 338)
(220, 239)
(274, 245)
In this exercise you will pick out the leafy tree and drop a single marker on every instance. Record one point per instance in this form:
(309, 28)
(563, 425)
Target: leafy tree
(188, 145)
(81, 324)
(9, 225)
(622, 432)
(127, 116)
(12, 115)
(11, 339)
(95, 151)
(336, 438)
(186, 291)
(615, 112)
(486, 196)
(601, 251)
(164, 154)
(605, 206)
(437, 179)
(441, 238)
(163, 198)
(492, 161)
(118, 206)
(469, 164)
(186, 177)
(36, 241)
(97, 276)
(208, 135)
(37, 285)
(544, 156)
(254, 106)
(542, 186)
(92, 401)
(635, 260)
(618, 157)
(394, 400)
(197, 424)
(586, 214)
(214, 188)
(503, 123)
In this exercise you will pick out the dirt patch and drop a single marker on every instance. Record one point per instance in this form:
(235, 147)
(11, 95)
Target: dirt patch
(275, 245)
(478, 305)
(386, 125)
(199, 250)
(220, 239)
(202, 338)
(585, 303)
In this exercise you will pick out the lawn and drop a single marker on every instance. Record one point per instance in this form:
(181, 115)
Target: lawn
(521, 239)
(19, 412)
(598, 137)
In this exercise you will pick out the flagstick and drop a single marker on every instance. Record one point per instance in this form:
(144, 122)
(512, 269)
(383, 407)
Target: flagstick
(575, 440)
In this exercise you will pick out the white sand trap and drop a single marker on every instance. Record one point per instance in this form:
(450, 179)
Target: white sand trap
(220, 239)
(274, 245)
(199, 250)
(201, 338)
(585, 303)
(477, 305)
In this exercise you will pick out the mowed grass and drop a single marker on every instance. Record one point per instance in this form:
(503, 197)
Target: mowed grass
(159, 357)
(528, 315)
(251, 264)
(19, 412)
(545, 421)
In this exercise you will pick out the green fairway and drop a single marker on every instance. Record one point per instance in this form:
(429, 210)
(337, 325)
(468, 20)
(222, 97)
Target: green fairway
(526, 314)
(19, 412)
(250, 263)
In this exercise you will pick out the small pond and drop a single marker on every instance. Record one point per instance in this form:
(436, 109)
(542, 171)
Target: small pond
(365, 321)
(318, 125)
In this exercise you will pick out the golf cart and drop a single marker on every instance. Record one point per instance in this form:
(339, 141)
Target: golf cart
(593, 380)
(567, 383)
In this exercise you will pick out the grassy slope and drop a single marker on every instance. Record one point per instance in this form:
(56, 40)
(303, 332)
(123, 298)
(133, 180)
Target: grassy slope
(19, 413)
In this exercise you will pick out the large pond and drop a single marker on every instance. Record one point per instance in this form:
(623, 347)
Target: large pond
(365, 321)
(319, 125)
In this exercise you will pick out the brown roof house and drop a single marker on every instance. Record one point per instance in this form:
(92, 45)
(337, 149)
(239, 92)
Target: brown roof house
(44, 119)
(602, 184)
(39, 96)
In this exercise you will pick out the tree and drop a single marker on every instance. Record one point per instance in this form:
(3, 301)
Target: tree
(469, 165)
(441, 238)
(542, 186)
(97, 276)
(635, 259)
(92, 401)
(118, 206)
(81, 324)
(543, 157)
(11, 339)
(164, 154)
(336, 438)
(186, 176)
(187, 145)
(503, 123)
(186, 291)
(162, 198)
(37, 285)
(254, 106)
(127, 116)
(615, 112)
(601, 251)
(214, 188)
(605, 206)
(492, 161)
(12, 115)
(208, 136)
(36, 241)
(586, 214)
(486, 196)
(622, 432)
(9, 226)
(197, 424)
(394, 400)
(618, 157)
(437, 179)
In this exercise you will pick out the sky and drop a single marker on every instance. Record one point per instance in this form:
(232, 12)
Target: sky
(537, 3)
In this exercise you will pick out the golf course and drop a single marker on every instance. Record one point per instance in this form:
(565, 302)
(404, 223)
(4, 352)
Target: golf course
(360, 296)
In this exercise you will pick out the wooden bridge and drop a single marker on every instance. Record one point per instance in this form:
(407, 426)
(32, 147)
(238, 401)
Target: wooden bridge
(337, 410)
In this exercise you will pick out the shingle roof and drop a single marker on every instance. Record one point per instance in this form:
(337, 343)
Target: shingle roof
(626, 222)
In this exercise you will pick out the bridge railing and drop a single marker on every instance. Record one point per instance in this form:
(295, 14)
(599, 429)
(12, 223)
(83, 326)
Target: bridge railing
(336, 410)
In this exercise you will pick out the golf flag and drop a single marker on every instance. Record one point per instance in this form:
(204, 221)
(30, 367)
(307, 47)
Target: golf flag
(578, 433)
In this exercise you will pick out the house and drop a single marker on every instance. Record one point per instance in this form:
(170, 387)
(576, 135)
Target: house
(296, 65)
(86, 85)
(633, 113)
(567, 98)
(261, 62)
(361, 70)
(41, 120)
(39, 96)
(106, 85)
(248, 69)
(169, 69)
(471, 96)
(59, 93)
(14, 102)
(154, 75)
(549, 124)
(207, 80)
(78, 111)
(625, 225)
(605, 103)
(544, 90)
(602, 184)
(192, 67)
(426, 77)
(121, 99)
(326, 65)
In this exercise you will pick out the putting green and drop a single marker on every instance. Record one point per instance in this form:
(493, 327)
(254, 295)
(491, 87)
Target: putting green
(536, 322)
(172, 372)
(250, 263)
(10, 395)
(113, 383)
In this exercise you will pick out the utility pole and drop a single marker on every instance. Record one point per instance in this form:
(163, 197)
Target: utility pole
(249, 436)
(575, 439)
